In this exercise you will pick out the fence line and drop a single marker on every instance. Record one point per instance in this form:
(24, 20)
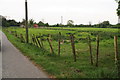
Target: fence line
(117, 55)
(37, 41)
(90, 49)
(97, 51)
(59, 40)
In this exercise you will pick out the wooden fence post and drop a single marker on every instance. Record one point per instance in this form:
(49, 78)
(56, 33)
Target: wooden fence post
(38, 42)
(117, 55)
(11, 32)
(50, 37)
(21, 38)
(41, 40)
(35, 42)
(30, 38)
(97, 52)
(18, 36)
(59, 43)
(33, 39)
(73, 47)
(15, 33)
(90, 48)
(116, 48)
(51, 48)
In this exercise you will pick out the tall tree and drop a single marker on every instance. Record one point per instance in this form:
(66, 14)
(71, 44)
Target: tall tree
(8, 23)
(23, 22)
(31, 23)
(41, 23)
(13, 22)
(4, 22)
(46, 24)
(118, 10)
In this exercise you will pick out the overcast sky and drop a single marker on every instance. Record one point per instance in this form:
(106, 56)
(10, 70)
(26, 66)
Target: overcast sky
(80, 11)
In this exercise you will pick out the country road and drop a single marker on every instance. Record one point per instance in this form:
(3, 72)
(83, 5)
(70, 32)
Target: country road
(15, 64)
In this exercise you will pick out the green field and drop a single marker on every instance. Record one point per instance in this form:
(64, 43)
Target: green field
(63, 66)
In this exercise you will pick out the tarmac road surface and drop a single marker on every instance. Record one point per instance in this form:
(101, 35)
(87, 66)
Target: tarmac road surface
(15, 64)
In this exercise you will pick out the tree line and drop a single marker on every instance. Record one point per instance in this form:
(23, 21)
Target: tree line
(70, 23)
(7, 23)
(12, 22)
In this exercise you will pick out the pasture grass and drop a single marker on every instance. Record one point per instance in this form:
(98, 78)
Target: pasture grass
(64, 66)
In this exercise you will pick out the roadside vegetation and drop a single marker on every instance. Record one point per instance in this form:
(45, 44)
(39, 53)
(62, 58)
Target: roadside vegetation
(63, 66)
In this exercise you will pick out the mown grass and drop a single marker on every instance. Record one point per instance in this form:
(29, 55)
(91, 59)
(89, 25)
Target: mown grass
(64, 66)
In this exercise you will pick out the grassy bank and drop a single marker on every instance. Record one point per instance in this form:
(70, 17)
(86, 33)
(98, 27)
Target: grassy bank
(64, 66)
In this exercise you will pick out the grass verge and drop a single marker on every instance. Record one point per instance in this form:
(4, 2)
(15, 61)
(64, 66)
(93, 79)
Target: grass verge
(64, 67)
